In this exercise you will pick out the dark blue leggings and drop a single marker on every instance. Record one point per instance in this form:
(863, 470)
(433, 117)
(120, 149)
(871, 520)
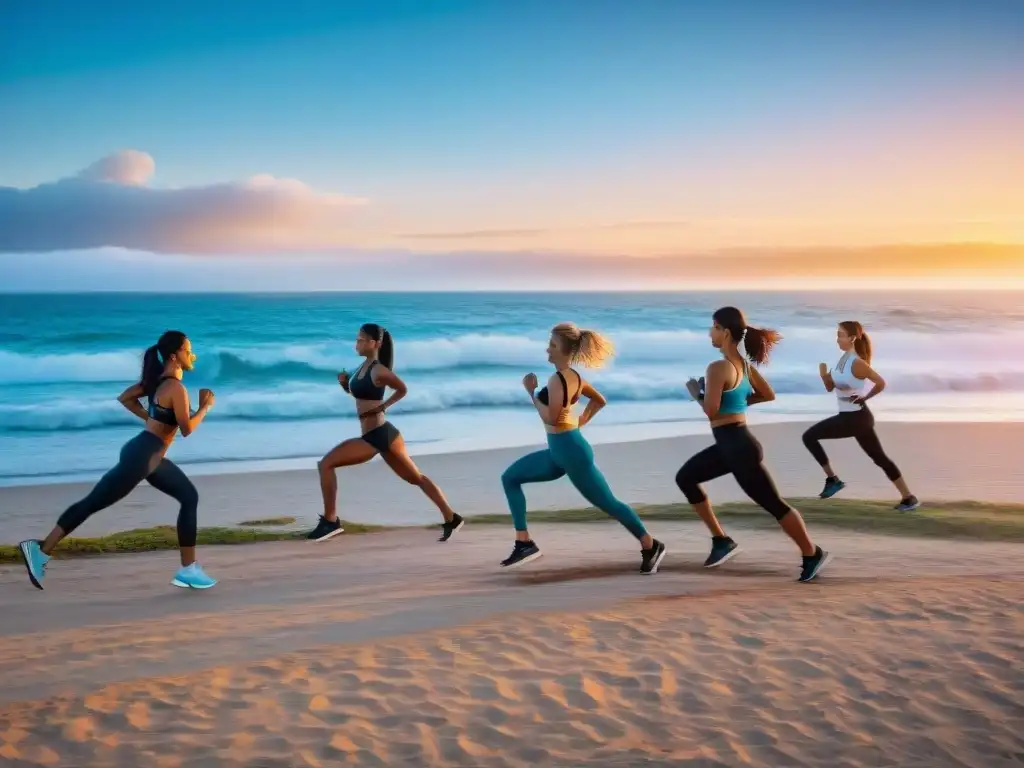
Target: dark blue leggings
(142, 458)
(568, 453)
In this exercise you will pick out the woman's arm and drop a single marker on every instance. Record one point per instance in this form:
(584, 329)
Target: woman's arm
(595, 402)
(864, 371)
(714, 384)
(130, 400)
(188, 421)
(826, 377)
(763, 392)
(386, 377)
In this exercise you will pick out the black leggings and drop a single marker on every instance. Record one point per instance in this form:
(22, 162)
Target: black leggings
(859, 425)
(738, 452)
(141, 459)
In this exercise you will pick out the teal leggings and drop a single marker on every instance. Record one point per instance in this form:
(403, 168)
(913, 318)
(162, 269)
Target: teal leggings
(568, 453)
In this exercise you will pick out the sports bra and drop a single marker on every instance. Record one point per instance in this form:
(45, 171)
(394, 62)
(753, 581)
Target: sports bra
(363, 388)
(735, 400)
(847, 385)
(542, 396)
(161, 413)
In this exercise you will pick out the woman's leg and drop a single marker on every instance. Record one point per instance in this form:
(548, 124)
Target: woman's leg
(537, 467)
(872, 446)
(702, 467)
(168, 478)
(837, 427)
(399, 460)
(349, 453)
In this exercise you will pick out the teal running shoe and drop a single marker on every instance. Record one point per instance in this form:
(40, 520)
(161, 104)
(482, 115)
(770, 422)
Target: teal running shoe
(35, 561)
(193, 577)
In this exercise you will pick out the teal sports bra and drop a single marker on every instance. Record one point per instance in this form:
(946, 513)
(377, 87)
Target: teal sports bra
(735, 400)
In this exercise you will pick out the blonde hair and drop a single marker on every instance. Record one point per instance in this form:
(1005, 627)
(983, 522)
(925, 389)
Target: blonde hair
(583, 345)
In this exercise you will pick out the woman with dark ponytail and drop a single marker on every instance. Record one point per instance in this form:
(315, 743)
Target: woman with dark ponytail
(142, 458)
(733, 384)
(379, 436)
(847, 379)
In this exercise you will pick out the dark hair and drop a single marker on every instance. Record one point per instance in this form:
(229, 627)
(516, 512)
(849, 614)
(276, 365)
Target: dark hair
(757, 342)
(861, 340)
(155, 359)
(387, 346)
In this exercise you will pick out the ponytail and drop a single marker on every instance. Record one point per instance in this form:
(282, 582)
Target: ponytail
(584, 346)
(154, 361)
(757, 342)
(861, 340)
(386, 353)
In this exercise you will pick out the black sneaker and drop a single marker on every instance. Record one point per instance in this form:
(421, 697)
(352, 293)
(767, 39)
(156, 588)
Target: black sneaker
(325, 529)
(449, 529)
(651, 558)
(522, 553)
(814, 564)
(723, 549)
(833, 485)
(909, 504)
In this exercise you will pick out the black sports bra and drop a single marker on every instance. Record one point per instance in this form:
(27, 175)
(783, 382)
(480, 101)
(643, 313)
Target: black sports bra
(543, 394)
(161, 413)
(363, 388)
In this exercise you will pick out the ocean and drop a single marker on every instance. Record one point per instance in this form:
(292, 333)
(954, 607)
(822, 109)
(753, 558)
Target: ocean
(272, 360)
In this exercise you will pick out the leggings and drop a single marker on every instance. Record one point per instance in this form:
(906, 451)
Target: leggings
(859, 425)
(568, 453)
(738, 452)
(141, 459)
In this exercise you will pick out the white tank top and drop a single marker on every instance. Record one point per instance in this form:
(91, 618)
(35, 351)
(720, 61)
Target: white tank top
(847, 385)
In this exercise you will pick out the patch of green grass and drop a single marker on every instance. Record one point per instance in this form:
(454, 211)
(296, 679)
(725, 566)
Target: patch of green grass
(165, 537)
(948, 520)
(266, 522)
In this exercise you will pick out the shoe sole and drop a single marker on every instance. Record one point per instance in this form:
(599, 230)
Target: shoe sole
(330, 535)
(524, 561)
(908, 509)
(657, 562)
(830, 495)
(817, 571)
(455, 530)
(24, 556)
(183, 585)
(732, 553)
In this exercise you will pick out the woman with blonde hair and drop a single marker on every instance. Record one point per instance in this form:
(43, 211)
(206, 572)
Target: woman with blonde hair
(847, 379)
(568, 452)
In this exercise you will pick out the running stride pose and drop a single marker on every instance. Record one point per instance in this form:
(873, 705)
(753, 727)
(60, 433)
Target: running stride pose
(142, 458)
(568, 452)
(854, 419)
(367, 386)
(732, 385)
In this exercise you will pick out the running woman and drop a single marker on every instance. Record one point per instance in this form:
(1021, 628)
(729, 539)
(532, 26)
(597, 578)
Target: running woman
(733, 384)
(142, 458)
(847, 380)
(379, 436)
(568, 452)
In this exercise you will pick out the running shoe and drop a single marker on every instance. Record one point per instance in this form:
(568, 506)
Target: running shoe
(522, 553)
(35, 561)
(450, 528)
(814, 564)
(723, 549)
(325, 529)
(908, 504)
(192, 577)
(651, 558)
(833, 485)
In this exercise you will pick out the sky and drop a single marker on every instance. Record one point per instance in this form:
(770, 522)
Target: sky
(470, 143)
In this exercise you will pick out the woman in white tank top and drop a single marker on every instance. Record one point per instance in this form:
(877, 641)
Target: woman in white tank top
(848, 379)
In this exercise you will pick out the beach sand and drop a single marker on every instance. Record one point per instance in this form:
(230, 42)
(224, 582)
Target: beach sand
(947, 461)
(391, 649)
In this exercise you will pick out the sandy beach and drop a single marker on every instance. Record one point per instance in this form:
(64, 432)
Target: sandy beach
(378, 651)
(943, 461)
(392, 649)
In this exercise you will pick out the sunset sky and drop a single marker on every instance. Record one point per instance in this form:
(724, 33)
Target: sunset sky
(310, 144)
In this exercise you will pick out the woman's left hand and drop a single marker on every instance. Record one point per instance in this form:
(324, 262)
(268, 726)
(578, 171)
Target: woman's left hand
(693, 387)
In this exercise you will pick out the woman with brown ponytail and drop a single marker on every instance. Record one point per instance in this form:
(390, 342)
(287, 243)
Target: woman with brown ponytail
(142, 458)
(379, 436)
(568, 452)
(732, 385)
(847, 379)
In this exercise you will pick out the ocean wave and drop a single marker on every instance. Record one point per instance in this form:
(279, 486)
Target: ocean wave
(313, 402)
(267, 365)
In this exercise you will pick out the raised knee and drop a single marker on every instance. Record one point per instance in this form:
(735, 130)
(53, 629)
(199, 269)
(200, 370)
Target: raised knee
(683, 478)
(323, 467)
(190, 498)
(808, 438)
